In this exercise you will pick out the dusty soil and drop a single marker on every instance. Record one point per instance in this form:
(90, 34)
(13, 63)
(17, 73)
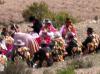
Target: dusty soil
(57, 66)
(81, 9)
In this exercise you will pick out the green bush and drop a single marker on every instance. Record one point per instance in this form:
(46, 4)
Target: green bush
(39, 10)
(69, 70)
(60, 18)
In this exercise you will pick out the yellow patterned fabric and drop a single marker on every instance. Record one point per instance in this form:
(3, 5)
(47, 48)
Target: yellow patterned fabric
(25, 52)
(59, 44)
(59, 49)
(94, 44)
(23, 49)
(96, 40)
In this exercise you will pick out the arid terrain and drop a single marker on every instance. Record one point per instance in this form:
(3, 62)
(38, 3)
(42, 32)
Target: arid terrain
(81, 9)
(60, 65)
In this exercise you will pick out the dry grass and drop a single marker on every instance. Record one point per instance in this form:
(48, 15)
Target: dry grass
(82, 9)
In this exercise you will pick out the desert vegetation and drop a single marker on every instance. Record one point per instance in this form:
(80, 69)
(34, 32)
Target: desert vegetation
(41, 11)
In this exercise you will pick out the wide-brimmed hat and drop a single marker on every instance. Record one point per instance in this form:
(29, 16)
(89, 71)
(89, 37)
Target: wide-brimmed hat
(31, 18)
(89, 29)
(19, 43)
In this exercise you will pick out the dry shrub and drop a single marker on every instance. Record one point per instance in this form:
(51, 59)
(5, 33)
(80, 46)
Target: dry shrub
(41, 11)
(20, 68)
(81, 63)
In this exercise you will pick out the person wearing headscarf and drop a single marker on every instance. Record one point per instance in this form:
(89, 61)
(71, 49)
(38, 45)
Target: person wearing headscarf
(67, 27)
(29, 41)
(49, 28)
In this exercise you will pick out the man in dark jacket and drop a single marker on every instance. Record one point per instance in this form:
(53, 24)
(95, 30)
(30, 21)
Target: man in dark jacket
(92, 41)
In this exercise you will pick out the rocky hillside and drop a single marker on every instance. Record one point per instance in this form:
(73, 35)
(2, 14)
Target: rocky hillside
(81, 9)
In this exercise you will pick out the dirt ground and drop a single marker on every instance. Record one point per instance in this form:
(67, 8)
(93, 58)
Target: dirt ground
(81, 9)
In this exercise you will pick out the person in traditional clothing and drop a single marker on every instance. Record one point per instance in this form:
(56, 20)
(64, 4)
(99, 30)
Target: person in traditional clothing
(28, 40)
(13, 29)
(42, 57)
(20, 51)
(92, 41)
(4, 31)
(44, 37)
(9, 44)
(48, 27)
(68, 27)
(72, 45)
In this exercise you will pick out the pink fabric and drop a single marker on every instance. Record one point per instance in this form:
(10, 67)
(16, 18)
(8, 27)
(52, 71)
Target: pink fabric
(50, 28)
(9, 47)
(4, 52)
(40, 39)
(64, 30)
(29, 41)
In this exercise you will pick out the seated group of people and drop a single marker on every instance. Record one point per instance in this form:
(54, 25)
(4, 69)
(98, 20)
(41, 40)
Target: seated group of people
(45, 44)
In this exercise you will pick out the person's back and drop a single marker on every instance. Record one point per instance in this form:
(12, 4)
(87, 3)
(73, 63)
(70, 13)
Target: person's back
(92, 41)
(29, 41)
(36, 24)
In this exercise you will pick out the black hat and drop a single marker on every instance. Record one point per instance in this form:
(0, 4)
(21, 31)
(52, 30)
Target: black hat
(31, 18)
(90, 30)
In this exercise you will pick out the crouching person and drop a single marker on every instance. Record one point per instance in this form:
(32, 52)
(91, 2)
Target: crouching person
(42, 58)
(20, 52)
(73, 46)
(92, 42)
